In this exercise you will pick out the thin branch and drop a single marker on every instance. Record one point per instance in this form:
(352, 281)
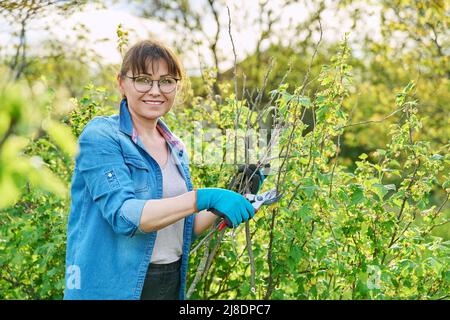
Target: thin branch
(213, 45)
(8, 132)
(200, 270)
(270, 284)
(338, 149)
(438, 225)
(235, 89)
(441, 206)
(214, 252)
(370, 121)
(289, 144)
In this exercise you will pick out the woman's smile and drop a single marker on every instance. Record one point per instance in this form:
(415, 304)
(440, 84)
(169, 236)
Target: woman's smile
(153, 102)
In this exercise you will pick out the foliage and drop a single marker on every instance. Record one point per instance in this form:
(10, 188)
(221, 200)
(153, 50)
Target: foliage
(362, 160)
(33, 230)
(338, 234)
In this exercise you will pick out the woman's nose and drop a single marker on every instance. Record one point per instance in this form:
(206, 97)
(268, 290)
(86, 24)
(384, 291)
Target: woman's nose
(154, 90)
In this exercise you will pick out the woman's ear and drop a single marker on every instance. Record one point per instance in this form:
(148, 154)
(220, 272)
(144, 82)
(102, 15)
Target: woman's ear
(120, 84)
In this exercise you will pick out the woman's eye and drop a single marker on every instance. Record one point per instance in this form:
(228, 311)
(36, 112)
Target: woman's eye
(143, 80)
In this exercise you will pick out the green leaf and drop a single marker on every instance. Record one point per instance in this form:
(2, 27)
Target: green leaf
(305, 212)
(61, 135)
(390, 187)
(422, 204)
(343, 196)
(381, 190)
(321, 113)
(325, 178)
(357, 196)
(9, 191)
(408, 87)
(298, 253)
(363, 156)
(305, 101)
(320, 99)
(446, 184)
(245, 289)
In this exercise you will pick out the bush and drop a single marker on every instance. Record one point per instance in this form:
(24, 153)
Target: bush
(336, 233)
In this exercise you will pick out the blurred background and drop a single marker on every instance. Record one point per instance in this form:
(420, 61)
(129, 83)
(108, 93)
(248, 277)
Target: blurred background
(72, 43)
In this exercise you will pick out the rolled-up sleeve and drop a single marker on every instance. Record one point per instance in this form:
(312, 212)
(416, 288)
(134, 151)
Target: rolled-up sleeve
(101, 164)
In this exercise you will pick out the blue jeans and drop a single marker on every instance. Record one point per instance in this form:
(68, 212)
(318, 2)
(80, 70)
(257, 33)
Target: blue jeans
(162, 282)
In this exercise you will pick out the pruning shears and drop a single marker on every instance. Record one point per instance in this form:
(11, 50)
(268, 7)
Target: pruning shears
(257, 200)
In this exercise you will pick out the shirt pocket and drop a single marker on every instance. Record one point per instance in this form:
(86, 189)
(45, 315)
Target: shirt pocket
(139, 173)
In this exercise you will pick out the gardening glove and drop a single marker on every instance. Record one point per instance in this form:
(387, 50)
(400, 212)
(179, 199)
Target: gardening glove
(253, 178)
(230, 205)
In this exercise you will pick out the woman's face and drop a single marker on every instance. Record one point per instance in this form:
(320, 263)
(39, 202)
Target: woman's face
(153, 103)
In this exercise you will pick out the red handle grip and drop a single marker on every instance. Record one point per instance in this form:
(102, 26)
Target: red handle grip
(224, 223)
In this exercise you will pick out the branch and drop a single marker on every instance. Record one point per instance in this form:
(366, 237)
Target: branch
(438, 225)
(441, 206)
(213, 46)
(201, 268)
(435, 39)
(371, 121)
(399, 216)
(213, 252)
(335, 163)
(235, 89)
(8, 132)
(270, 285)
(289, 144)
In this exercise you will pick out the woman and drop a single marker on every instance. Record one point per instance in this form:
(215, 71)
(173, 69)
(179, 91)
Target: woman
(134, 211)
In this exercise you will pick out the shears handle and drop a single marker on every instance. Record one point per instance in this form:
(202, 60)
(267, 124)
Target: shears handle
(223, 224)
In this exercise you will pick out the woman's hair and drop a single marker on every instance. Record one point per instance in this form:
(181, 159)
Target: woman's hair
(141, 54)
(144, 52)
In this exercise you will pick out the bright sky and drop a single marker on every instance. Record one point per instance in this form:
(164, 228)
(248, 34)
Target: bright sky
(103, 23)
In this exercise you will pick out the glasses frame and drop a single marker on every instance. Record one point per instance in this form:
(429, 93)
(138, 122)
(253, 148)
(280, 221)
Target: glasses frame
(151, 85)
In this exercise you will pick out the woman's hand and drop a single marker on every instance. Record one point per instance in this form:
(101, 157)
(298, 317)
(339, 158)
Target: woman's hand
(232, 206)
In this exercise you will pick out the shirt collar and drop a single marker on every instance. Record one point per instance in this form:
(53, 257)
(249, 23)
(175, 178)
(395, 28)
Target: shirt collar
(126, 126)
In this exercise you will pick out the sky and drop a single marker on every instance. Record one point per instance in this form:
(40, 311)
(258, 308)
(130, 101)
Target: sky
(103, 23)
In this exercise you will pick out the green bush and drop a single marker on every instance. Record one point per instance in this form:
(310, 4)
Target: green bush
(33, 230)
(367, 233)
(336, 234)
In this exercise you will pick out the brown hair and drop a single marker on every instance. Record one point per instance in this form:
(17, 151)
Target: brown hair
(144, 52)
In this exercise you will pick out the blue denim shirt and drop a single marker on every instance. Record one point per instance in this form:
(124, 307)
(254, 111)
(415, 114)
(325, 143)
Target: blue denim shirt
(107, 254)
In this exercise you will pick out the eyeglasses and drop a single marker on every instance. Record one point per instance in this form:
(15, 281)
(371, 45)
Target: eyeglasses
(144, 84)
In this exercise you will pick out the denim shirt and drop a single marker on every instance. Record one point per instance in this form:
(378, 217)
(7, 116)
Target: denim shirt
(107, 253)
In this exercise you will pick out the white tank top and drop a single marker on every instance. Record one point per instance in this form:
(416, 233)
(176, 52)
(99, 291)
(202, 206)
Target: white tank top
(169, 240)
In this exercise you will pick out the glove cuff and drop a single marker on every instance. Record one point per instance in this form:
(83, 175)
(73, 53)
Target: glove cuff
(203, 198)
(195, 200)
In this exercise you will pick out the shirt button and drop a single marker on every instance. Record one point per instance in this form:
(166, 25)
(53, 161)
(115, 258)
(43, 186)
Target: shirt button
(180, 153)
(110, 175)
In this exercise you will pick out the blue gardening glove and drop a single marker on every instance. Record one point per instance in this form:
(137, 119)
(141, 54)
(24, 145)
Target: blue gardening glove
(253, 178)
(230, 205)
(261, 179)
